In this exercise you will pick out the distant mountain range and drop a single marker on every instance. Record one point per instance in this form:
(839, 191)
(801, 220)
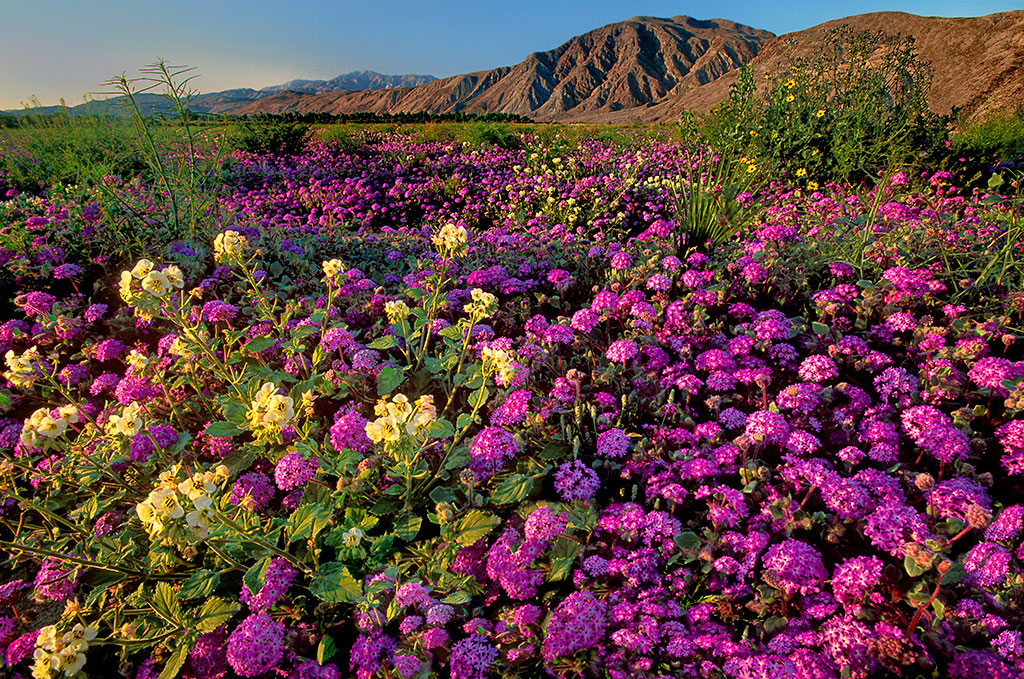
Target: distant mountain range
(647, 69)
(230, 100)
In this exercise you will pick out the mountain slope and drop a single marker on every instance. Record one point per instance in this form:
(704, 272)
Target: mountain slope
(977, 62)
(649, 70)
(619, 66)
(227, 101)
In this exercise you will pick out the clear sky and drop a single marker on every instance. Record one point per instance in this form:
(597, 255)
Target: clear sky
(65, 48)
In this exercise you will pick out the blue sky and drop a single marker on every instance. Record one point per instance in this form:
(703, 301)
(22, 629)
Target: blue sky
(65, 48)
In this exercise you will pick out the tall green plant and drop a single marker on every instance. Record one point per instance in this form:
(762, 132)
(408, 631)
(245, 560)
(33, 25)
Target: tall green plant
(186, 169)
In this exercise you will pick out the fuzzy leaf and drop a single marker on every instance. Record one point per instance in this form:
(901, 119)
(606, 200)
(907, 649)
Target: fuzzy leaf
(222, 429)
(308, 520)
(175, 663)
(165, 603)
(200, 584)
(408, 527)
(384, 342)
(326, 650)
(258, 344)
(388, 379)
(475, 525)
(334, 584)
(513, 489)
(214, 613)
(256, 575)
(441, 429)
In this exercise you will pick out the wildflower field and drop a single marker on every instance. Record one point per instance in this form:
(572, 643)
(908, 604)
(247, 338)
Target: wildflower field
(395, 406)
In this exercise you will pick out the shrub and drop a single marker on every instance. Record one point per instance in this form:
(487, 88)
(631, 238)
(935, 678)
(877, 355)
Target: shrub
(264, 134)
(856, 106)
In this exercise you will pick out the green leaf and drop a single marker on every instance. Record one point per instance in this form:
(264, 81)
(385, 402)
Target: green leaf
(388, 379)
(513, 489)
(560, 568)
(334, 584)
(303, 331)
(222, 429)
(912, 567)
(459, 458)
(214, 613)
(384, 342)
(256, 575)
(463, 421)
(235, 412)
(451, 332)
(475, 525)
(326, 650)
(955, 574)
(258, 344)
(774, 624)
(408, 527)
(456, 598)
(174, 663)
(308, 520)
(819, 328)
(442, 494)
(380, 548)
(441, 429)
(687, 541)
(200, 584)
(385, 506)
(165, 603)
(554, 451)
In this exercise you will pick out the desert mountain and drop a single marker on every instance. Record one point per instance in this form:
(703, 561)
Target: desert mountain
(977, 62)
(647, 70)
(618, 67)
(230, 100)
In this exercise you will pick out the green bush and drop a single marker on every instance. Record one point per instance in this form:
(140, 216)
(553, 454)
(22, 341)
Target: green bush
(858, 105)
(264, 134)
(490, 134)
(982, 147)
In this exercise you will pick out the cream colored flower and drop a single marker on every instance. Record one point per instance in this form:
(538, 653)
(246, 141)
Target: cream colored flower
(484, 304)
(396, 311)
(228, 246)
(451, 238)
(141, 269)
(333, 267)
(156, 283)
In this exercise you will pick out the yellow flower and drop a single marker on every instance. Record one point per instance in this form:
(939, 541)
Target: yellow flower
(333, 267)
(802, 172)
(451, 238)
(228, 245)
(141, 269)
(396, 311)
(820, 113)
(790, 97)
(790, 84)
(751, 169)
(812, 186)
(753, 133)
(174, 277)
(156, 283)
(484, 304)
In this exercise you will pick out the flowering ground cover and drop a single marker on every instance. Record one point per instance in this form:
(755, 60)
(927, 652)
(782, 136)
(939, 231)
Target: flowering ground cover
(422, 408)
